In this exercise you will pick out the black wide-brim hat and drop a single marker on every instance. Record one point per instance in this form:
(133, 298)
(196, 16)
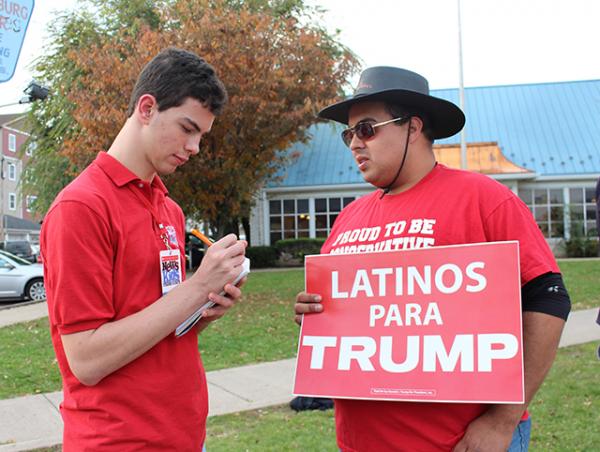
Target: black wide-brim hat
(405, 89)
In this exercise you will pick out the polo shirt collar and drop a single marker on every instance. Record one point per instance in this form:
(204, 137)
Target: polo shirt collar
(120, 174)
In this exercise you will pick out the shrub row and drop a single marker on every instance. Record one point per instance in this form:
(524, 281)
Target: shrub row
(288, 252)
(581, 247)
(262, 256)
(298, 248)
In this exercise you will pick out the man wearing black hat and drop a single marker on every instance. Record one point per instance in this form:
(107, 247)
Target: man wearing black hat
(393, 122)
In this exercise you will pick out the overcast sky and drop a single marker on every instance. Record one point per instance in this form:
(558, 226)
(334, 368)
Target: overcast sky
(504, 41)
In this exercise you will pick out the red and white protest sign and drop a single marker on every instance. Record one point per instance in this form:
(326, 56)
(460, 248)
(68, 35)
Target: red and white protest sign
(439, 324)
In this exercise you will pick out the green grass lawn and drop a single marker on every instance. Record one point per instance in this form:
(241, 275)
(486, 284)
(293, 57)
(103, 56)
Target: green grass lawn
(259, 329)
(28, 362)
(566, 410)
(581, 279)
(275, 428)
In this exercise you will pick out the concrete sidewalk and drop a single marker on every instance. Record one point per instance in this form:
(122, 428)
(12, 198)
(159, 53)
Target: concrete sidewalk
(34, 421)
(18, 314)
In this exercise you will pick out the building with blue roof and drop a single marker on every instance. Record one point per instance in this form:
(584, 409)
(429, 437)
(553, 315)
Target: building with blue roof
(542, 140)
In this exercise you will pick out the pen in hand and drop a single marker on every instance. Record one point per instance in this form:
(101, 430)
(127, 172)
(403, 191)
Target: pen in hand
(209, 242)
(198, 234)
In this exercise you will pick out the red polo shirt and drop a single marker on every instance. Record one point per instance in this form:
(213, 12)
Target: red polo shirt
(101, 247)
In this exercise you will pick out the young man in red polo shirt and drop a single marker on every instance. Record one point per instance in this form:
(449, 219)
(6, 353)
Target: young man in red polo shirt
(128, 382)
(393, 121)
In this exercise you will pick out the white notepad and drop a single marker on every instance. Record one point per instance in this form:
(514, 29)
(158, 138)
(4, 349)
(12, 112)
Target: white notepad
(187, 324)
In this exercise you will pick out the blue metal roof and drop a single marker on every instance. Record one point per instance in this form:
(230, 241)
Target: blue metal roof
(548, 128)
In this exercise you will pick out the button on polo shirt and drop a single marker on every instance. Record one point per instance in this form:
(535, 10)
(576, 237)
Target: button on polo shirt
(101, 250)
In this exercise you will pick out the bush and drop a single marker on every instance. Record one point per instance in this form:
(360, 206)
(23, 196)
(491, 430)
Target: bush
(580, 244)
(581, 247)
(262, 256)
(294, 250)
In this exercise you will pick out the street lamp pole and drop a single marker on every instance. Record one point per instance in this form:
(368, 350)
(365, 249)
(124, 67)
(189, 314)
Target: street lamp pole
(33, 92)
(461, 95)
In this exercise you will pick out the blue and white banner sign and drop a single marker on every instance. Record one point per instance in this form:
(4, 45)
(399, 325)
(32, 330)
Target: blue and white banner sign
(14, 19)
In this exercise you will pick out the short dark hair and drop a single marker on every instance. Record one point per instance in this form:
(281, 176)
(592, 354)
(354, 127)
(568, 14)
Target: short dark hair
(173, 75)
(397, 111)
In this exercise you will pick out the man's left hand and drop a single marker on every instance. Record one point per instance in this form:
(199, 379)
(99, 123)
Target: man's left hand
(486, 434)
(222, 303)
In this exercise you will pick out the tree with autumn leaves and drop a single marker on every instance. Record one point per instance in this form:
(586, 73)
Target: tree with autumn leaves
(278, 66)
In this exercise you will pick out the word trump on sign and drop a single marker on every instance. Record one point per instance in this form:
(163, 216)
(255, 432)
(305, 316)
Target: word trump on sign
(436, 324)
(434, 350)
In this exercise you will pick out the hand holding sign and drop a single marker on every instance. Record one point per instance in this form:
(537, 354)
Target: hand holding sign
(307, 303)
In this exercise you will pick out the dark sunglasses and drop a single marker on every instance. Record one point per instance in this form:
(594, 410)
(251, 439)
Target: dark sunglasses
(365, 130)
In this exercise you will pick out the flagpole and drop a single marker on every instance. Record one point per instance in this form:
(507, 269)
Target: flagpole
(461, 95)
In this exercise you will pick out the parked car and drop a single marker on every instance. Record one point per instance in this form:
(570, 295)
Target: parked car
(194, 250)
(20, 248)
(20, 278)
(36, 253)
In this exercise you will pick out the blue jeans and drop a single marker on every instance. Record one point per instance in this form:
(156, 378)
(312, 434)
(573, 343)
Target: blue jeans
(520, 439)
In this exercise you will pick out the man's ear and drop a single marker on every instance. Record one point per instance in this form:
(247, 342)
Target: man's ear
(416, 126)
(145, 107)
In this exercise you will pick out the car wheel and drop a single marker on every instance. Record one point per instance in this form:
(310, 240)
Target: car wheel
(35, 290)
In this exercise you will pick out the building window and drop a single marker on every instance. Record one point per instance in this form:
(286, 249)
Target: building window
(12, 171)
(12, 142)
(547, 206)
(326, 211)
(29, 201)
(291, 218)
(582, 211)
(12, 201)
(288, 219)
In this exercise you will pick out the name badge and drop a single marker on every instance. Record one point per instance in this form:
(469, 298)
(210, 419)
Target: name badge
(170, 269)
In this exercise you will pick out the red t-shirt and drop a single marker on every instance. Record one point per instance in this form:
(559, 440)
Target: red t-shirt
(447, 207)
(101, 263)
